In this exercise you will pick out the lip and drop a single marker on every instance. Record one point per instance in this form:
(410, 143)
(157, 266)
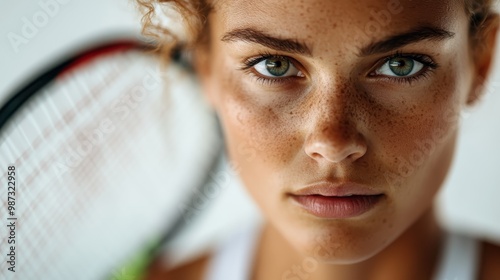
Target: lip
(337, 201)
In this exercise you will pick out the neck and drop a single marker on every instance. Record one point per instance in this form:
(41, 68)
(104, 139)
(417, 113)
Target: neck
(413, 255)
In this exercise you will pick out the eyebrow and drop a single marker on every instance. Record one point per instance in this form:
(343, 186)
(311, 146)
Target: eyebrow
(400, 40)
(251, 35)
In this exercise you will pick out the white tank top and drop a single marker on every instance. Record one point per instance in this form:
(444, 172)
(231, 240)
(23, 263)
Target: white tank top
(233, 260)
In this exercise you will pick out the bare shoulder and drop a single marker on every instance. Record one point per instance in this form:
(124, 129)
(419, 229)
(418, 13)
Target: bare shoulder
(192, 270)
(490, 261)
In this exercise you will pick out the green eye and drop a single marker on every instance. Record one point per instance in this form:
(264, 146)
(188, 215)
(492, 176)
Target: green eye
(276, 67)
(400, 67)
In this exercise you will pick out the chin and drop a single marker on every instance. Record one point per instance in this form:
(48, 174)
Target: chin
(339, 242)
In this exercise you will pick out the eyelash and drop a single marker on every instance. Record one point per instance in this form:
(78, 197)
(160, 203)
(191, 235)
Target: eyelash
(251, 62)
(429, 66)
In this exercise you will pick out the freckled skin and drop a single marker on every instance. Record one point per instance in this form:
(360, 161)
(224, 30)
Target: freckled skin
(338, 123)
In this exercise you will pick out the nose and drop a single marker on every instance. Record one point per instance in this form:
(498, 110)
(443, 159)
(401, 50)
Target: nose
(335, 138)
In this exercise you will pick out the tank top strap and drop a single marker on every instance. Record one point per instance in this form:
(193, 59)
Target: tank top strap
(234, 259)
(459, 259)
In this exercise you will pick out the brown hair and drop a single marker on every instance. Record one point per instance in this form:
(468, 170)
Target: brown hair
(194, 14)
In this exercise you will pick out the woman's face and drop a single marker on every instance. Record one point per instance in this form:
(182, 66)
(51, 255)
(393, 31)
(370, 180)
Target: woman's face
(356, 98)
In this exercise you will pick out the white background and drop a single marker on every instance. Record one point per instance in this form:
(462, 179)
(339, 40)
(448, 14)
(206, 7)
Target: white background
(470, 199)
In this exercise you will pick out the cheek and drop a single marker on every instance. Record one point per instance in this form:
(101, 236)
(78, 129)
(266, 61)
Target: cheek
(416, 135)
(415, 146)
(255, 125)
(261, 141)
(419, 130)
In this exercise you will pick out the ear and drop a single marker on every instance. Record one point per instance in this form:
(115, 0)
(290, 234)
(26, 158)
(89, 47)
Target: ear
(483, 52)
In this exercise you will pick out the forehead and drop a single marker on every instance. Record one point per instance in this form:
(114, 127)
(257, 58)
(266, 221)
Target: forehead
(327, 21)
